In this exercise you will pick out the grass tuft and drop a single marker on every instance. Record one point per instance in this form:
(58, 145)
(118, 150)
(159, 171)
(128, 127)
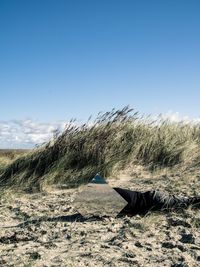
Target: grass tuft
(118, 136)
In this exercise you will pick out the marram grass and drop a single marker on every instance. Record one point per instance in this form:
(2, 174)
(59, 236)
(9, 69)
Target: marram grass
(117, 137)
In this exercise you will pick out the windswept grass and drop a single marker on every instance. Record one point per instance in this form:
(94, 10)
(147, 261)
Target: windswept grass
(116, 137)
(9, 155)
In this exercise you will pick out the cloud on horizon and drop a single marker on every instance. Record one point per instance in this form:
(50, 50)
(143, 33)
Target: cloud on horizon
(28, 133)
(176, 117)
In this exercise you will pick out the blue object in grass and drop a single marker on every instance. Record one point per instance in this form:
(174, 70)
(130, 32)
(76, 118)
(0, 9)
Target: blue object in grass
(97, 179)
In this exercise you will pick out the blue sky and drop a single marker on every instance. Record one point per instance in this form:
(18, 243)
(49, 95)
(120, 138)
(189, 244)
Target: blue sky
(72, 58)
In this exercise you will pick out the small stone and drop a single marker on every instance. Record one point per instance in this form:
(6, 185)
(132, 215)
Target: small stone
(68, 236)
(129, 255)
(138, 244)
(169, 245)
(187, 238)
(181, 248)
(105, 246)
(82, 233)
(35, 255)
(198, 258)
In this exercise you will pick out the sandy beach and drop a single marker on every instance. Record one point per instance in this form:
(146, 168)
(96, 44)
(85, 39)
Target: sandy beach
(43, 229)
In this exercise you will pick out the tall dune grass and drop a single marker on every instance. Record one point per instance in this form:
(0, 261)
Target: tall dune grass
(119, 136)
(7, 156)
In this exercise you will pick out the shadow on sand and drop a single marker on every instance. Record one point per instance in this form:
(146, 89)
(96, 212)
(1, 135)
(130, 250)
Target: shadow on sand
(77, 217)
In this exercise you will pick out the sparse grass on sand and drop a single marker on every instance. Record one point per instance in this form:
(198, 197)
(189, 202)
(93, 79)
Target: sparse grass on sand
(115, 138)
(41, 229)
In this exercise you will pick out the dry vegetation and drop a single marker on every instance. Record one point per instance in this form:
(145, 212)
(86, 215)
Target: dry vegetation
(43, 229)
(7, 156)
(116, 138)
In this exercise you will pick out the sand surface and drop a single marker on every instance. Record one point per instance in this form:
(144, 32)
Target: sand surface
(51, 233)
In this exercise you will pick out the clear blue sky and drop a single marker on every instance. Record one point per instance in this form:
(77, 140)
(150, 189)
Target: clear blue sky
(72, 58)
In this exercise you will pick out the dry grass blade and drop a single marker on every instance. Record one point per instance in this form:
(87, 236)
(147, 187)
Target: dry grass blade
(118, 136)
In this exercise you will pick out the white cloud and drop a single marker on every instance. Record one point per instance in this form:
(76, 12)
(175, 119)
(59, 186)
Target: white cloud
(177, 117)
(27, 133)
